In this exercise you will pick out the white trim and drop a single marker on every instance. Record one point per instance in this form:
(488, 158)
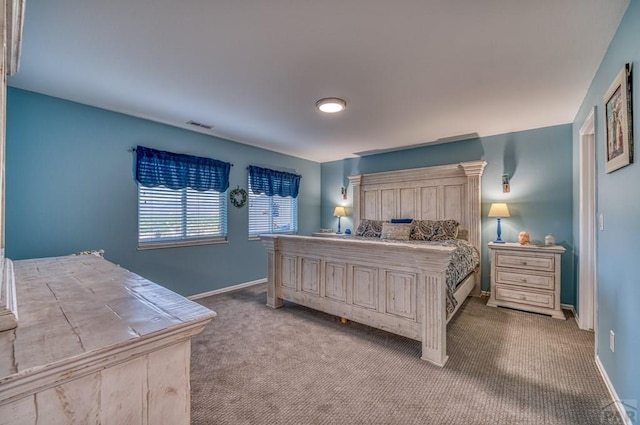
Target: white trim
(572, 309)
(569, 307)
(227, 289)
(587, 225)
(612, 392)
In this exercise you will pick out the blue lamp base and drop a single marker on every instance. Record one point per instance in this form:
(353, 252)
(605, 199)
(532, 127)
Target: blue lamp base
(499, 240)
(338, 232)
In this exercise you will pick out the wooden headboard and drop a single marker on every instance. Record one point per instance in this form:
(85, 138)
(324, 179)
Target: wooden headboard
(431, 193)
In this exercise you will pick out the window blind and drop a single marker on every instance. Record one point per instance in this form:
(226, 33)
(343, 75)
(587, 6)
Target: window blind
(271, 214)
(170, 211)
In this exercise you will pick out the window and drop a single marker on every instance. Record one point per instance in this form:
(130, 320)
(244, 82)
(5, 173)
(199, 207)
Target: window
(272, 214)
(273, 201)
(180, 217)
(182, 199)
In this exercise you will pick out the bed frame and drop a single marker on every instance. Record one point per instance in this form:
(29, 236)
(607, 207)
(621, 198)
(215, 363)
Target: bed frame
(392, 286)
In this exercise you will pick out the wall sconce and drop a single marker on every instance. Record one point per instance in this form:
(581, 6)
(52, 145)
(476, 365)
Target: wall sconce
(344, 193)
(505, 183)
(499, 210)
(339, 212)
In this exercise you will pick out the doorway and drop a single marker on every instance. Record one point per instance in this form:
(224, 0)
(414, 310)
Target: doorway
(586, 316)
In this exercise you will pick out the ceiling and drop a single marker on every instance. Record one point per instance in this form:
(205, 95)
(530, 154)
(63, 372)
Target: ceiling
(412, 71)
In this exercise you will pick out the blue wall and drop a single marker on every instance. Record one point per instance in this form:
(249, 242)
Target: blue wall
(540, 200)
(618, 198)
(70, 188)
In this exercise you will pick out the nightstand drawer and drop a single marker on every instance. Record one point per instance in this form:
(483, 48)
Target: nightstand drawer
(522, 278)
(531, 262)
(524, 297)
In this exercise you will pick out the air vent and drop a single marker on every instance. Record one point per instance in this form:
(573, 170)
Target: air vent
(199, 124)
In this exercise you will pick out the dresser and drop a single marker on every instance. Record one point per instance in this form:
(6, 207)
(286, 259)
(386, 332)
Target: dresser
(526, 277)
(96, 344)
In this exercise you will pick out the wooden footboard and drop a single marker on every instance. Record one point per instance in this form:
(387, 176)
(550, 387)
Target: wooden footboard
(396, 287)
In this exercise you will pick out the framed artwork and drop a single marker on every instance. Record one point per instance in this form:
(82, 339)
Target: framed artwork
(618, 122)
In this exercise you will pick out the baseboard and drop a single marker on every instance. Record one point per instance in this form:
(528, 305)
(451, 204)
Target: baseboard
(568, 307)
(572, 309)
(485, 294)
(227, 289)
(612, 392)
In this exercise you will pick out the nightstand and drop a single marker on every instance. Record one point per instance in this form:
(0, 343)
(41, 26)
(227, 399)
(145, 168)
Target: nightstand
(526, 277)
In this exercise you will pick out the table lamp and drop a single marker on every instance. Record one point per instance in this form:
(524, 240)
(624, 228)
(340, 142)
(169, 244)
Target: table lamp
(339, 212)
(499, 210)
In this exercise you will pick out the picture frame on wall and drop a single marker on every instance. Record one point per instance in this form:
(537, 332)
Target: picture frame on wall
(618, 121)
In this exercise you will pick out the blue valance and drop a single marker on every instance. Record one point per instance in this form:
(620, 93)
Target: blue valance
(272, 182)
(178, 171)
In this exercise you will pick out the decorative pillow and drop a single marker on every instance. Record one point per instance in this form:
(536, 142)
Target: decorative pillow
(422, 230)
(362, 227)
(396, 231)
(374, 230)
(369, 228)
(447, 229)
(401, 220)
(434, 230)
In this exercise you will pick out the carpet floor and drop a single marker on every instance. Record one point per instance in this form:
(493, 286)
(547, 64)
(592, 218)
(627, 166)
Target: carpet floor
(293, 365)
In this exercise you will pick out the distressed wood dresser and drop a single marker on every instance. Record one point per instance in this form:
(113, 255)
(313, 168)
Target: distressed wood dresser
(96, 344)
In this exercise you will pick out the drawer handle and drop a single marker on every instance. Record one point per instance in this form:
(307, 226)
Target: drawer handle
(524, 263)
(524, 280)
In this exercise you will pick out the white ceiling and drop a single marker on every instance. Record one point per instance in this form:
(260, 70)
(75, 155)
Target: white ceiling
(411, 71)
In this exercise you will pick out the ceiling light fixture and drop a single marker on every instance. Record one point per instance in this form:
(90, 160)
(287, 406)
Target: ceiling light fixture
(331, 105)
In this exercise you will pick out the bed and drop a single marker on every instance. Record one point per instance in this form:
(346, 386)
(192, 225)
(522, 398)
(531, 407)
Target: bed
(395, 285)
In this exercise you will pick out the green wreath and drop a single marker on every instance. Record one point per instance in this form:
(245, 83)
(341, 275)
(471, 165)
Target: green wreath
(238, 197)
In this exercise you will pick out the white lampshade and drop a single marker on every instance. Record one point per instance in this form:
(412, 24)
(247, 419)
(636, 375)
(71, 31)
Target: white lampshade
(339, 212)
(499, 210)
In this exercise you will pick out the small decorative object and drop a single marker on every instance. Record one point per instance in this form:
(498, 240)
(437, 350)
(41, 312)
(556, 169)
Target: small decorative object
(618, 122)
(339, 212)
(347, 232)
(344, 193)
(523, 238)
(238, 197)
(549, 239)
(505, 183)
(499, 210)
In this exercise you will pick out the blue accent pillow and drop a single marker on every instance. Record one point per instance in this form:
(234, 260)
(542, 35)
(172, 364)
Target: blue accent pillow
(401, 220)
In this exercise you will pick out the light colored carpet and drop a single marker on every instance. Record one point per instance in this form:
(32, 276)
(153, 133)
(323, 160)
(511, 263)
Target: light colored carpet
(255, 365)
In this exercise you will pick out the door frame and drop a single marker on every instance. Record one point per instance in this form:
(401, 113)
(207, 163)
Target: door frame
(587, 278)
